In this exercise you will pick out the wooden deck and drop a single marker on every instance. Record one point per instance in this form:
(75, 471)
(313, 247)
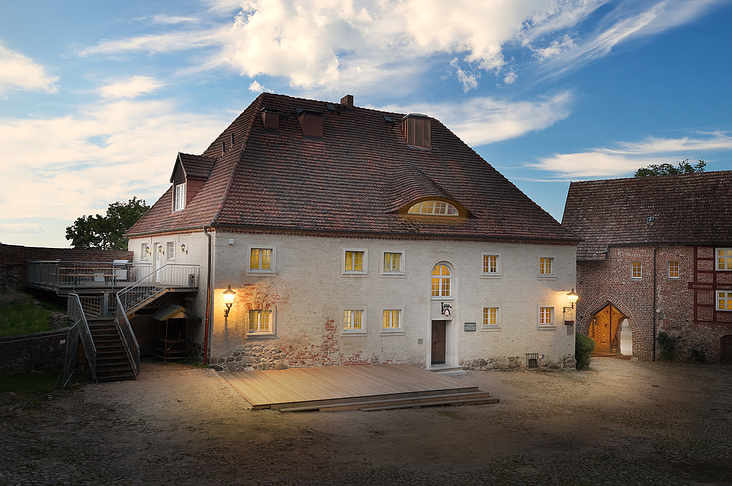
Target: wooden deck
(351, 387)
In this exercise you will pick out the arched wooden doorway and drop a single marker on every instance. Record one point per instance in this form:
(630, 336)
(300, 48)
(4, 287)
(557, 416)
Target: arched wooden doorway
(605, 330)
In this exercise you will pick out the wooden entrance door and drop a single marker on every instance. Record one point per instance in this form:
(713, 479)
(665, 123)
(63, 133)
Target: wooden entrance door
(726, 351)
(438, 342)
(605, 330)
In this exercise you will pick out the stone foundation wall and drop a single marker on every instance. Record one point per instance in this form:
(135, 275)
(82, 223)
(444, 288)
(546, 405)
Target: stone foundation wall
(515, 363)
(41, 350)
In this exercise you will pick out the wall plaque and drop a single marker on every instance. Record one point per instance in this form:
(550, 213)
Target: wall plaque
(470, 326)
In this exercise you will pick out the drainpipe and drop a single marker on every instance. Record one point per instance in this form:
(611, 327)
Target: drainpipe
(208, 300)
(655, 249)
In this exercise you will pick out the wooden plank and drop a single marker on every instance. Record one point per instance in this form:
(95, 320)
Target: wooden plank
(298, 386)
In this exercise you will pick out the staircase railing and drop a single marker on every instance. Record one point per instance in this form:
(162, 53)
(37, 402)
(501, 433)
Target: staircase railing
(163, 279)
(128, 337)
(76, 312)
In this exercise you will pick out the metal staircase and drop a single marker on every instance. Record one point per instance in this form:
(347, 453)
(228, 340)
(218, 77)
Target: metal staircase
(109, 341)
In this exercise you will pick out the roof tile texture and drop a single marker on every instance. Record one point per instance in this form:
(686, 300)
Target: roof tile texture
(685, 209)
(354, 179)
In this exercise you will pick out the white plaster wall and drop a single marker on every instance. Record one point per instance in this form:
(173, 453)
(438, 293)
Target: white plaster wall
(311, 290)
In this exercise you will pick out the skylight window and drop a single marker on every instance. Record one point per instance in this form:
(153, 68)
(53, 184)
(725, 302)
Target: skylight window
(437, 208)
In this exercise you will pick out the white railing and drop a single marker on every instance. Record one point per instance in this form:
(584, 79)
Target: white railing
(76, 312)
(163, 279)
(62, 274)
(128, 336)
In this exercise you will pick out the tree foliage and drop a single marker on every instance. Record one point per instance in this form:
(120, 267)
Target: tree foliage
(667, 169)
(107, 232)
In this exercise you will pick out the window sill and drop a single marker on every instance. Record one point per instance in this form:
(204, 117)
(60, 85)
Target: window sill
(396, 332)
(256, 335)
(547, 277)
(392, 275)
(491, 275)
(442, 298)
(353, 333)
(547, 328)
(490, 328)
(260, 273)
(354, 274)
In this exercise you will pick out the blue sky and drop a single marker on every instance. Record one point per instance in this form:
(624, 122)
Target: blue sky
(97, 98)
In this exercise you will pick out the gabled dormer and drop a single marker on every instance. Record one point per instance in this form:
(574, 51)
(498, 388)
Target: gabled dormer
(189, 175)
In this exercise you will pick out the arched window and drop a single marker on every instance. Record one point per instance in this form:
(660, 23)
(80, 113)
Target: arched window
(434, 207)
(441, 281)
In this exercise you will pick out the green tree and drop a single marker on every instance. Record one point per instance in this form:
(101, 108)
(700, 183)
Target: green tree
(667, 169)
(106, 232)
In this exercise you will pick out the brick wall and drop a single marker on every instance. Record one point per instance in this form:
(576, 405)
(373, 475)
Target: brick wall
(609, 281)
(14, 259)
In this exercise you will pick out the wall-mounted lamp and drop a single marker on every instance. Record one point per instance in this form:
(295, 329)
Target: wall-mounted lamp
(148, 251)
(161, 250)
(183, 248)
(229, 300)
(572, 297)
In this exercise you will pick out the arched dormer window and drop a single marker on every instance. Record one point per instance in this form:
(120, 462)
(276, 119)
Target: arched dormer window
(434, 207)
(441, 281)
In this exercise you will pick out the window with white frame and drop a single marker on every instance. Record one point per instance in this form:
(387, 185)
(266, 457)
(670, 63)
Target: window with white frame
(546, 267)
(144, 248)
(392, 320)
(260, 322)
(441, 281)
(179, 201)
(392, 263)
(491, 317)
(673, 269)
(546, 316)
(636, 270)
(354, 262)
(724, 259)
(261, 260)
(170, 254)
(353, 321)
(491, 265)
(434, 207)
(724, 300)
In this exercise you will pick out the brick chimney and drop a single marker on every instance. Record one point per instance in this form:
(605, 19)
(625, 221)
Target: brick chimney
(271, 119)
(347, 101)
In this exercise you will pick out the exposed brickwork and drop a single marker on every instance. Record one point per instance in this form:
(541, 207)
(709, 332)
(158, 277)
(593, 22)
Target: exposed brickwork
(678, 311)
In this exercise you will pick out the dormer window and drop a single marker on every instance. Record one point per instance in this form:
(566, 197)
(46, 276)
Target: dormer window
(179, 200)
(434, 208)
(417, 130)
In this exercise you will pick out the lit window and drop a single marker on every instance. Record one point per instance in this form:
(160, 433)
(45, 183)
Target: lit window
(673, 269)
(392, 262)
(490, 265)
(546, 316)
(441, 281)
(354, 261)
(439, 208)
(180, 197)
(637, 270)
(418, 131)
(490, 316)
(171, 250)
(260, 321)
(392, 319)
(724, 259)
(260, 259)
(546, 266)
(724, 300)
(353, 320)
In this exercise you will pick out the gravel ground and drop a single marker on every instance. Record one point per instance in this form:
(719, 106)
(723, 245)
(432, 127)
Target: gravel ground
(622, 422)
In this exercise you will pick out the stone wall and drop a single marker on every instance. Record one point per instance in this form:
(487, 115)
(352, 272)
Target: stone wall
(14, 260)
(515, 363)
(28, 352)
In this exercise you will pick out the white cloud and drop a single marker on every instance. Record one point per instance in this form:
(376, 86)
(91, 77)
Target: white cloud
(171, 19)
(22, 228)
(20, 72)
(255, 87)
(130, 88)
(107, 152)
(483, 120)
(627, 157)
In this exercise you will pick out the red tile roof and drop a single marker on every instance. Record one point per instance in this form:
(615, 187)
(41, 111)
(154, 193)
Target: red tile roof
(685, 209)
(353, 180)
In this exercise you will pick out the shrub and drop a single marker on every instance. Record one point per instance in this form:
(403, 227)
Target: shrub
(697, 355)
(583, 346)
(667, 344)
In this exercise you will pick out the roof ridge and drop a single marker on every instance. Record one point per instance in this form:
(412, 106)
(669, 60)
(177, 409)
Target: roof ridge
(232, 175)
